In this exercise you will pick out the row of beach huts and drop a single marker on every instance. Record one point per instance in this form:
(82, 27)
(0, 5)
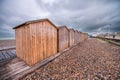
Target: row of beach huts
(39, 39)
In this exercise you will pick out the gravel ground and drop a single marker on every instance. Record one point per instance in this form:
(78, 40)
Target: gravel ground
(7, 43)
(91, 60)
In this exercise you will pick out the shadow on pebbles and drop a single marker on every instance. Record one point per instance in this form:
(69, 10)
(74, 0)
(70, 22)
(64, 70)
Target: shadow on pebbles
(90, 60)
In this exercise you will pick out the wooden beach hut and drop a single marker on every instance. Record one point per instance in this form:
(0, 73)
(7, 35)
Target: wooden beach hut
(36, 40)
(63, 38)
(80, 36)
(71, 37)
(76, 37)
(84, 36)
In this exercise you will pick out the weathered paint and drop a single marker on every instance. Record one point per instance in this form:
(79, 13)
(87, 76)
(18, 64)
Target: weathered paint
(63, 38)
(71, 37)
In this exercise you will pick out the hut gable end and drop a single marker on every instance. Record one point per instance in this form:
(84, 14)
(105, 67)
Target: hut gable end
(63, 27)
(63, 38)
(35, 41)
(35, 21)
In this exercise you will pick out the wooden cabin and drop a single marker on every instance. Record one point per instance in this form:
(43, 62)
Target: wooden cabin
(63, 38)
(80, 36)
(84, 36)
(78, 40)
(36, 40)
(71, 37)
(76, 37)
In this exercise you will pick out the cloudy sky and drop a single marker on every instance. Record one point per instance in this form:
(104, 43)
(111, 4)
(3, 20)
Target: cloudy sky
(91, 16)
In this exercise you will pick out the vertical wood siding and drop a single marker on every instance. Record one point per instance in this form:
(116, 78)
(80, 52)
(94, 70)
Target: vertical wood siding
(76, 37)
(80, 36)
(36, 41)
(39, 40)
(84, 36)
(23, 43)
(71, 37)
(63, 39)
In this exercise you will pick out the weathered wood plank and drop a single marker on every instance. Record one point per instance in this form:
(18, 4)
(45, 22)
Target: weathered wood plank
(12, 73)
(12, 54)
(9, 54)
(11, 62)
(63, 38)
(11, 67)
(5, 54)
(40, 64)
(18, 70)
(71, 37)
(4, 61)
(1, 56)
(17, 64)
(14, 61)
(13, 51)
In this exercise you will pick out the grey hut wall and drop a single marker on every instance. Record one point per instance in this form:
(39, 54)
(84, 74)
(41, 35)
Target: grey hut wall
(71, 37)
(63, 38)
(75, 37)
(80, 36)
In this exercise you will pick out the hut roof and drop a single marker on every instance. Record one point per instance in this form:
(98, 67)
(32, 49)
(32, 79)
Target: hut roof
(34, 21)
(71, 29)
(76, 31)
(63, 27)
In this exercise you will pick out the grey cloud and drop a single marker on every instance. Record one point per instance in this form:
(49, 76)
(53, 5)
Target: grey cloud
(84, 15)
(91, 17)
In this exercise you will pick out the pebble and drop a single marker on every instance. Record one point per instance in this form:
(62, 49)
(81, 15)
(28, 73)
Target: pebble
(89, 60)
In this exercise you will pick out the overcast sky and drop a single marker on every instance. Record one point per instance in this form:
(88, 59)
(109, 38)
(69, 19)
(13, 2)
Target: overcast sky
(92, 16)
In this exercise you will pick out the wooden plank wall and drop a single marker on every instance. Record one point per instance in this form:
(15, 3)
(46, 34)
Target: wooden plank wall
(75, 37)
(80, 36)
(22, 42)
(71, 38)
(39, 40)
(84, 36)
(77, 40)
(36, 41)
(63, 41)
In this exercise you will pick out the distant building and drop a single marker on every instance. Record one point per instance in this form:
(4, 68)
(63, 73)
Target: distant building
(117, 33)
